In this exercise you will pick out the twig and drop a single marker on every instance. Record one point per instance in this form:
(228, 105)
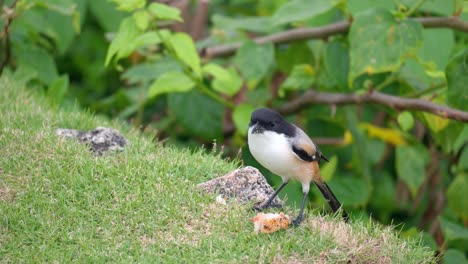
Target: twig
(373, 97)
(326, 31)
(199, 20)
(9, 17)
(414, 7)
(282, 37)
(183, 6)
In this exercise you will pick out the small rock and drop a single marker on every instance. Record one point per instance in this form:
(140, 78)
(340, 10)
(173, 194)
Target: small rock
(100, 140)
(244, 184)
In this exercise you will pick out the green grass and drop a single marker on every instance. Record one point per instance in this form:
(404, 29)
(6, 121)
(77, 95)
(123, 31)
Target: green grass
(60, 203)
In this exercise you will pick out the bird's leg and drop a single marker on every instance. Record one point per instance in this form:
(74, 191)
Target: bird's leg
(270, 200)
(296, 222)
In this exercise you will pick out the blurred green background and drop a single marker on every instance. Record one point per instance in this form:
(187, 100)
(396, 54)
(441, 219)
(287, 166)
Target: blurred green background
(190, 74)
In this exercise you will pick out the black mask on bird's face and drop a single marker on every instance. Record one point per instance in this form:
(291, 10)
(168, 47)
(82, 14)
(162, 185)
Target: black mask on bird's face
(264, 119)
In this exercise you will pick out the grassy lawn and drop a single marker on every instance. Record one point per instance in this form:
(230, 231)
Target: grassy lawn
(60, 203)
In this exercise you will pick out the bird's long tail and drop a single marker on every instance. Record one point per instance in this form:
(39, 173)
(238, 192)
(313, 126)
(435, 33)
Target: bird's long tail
(331, 199)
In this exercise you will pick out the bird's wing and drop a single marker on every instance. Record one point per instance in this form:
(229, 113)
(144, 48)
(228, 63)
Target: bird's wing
(304, 149)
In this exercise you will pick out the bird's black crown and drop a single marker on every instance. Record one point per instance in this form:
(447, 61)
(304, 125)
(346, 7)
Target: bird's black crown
(272, 121)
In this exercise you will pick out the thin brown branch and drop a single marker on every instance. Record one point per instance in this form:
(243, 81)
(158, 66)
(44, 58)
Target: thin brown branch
(199, 20)
(327, 31)
(281, 37)
(373, 97)
(183, 6)
(452, 22)
(10, 14)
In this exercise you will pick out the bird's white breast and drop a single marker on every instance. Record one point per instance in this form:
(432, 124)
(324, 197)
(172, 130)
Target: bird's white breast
(273, 151)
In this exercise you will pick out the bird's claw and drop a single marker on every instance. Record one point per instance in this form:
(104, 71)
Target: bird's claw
(296, 222)
(266, 206)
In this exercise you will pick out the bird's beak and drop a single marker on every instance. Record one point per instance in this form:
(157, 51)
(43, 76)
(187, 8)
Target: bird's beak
(257, 128)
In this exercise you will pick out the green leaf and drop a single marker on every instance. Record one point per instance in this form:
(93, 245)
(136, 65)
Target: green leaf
(107, 16)
(185, 50)
(145, 39)
(24, 74)
(453, 231)
(351, 191)
(225, 81)
(147, 72)
(380, 44)
(453, 256)
(375, 149)
(357, 6)
(142, 19)
(301, 78)
(410, 165)
(197, 113)
(129, 5)
(383, 194)
(434, 122)
(58, 89)
(254, 61)
(164, 12)
(171, 82)
(427, 70)
(405, 120)
(51, 26)
(360, 148)
(448, 138)
(437, 47)
(297, 10)
(457, 79)
(241, 117)
(460, 140)
(252, 24)
(440, 7)
(463, 160)
(336, 64)
(37, 60)
(121, 46)
(296, 53)
(328, 169)
(456, 195)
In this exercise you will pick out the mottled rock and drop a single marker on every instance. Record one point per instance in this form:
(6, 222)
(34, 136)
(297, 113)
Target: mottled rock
(100, 140)
(246, 184)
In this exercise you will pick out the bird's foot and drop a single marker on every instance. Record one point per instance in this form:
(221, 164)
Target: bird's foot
(266, 206)
(257, 208)
(296, 222)
(275, 206)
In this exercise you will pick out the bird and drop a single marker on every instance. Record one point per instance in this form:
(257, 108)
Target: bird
(287, 151)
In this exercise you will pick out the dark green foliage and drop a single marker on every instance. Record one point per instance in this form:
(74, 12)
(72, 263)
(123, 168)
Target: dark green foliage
(119, 58)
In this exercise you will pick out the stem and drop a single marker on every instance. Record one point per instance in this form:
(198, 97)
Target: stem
(386, 82)
(6, 32)
(204, 89)
(415, 7)
(400, 103)
(428, 90)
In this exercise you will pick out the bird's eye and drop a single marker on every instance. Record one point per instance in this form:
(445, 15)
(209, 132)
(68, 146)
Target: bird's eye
(272, 124)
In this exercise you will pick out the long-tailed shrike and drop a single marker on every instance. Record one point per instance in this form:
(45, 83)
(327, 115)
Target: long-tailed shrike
(287, 151)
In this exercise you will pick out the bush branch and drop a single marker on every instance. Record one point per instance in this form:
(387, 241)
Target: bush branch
(324, 32)
(373, 97)
(9, 12)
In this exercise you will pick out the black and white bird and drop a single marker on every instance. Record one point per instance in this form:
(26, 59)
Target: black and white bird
(288, 152)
